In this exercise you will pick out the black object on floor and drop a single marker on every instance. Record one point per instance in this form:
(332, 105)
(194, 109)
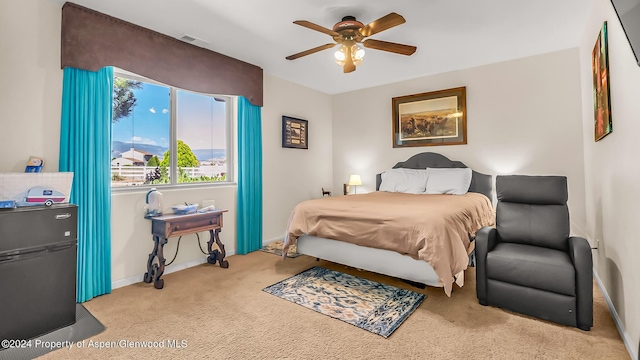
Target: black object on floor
(414, 283)
(37, 269)
(86, 326)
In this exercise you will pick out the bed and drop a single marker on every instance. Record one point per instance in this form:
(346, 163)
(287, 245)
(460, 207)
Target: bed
(432, 258)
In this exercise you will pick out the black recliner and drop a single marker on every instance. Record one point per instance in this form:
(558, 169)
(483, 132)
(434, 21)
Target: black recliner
(528, 263)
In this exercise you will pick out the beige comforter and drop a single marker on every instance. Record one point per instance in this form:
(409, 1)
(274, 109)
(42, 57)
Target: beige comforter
(433, 228)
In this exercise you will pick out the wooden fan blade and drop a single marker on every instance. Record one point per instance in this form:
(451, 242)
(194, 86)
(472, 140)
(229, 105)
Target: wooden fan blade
(310, 51)
(389, 46)
(349, 66)
(384, 23)
(315, 27)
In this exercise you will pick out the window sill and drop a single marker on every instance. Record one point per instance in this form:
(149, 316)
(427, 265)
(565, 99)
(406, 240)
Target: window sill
(189, 186)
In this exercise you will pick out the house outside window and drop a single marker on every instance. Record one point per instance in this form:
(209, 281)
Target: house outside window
(162, 135)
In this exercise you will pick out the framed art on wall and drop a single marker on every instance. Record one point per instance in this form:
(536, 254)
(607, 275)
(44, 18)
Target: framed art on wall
(601, 99)
(432, 118)
(295, 133)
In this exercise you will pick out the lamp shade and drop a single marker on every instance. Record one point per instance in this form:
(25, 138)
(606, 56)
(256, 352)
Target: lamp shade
(355, 180)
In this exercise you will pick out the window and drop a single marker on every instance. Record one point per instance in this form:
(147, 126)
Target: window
(164, 135)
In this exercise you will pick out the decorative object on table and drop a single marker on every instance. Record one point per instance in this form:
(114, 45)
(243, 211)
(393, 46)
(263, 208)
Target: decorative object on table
(208, 205)
(276, 248)
(354, 180)
(601, 98)
(184, 209)
(367, 304)
(153, 205)
(326, 192)
(295, 133)
(349, 32)
(34, 165)
(432, 118)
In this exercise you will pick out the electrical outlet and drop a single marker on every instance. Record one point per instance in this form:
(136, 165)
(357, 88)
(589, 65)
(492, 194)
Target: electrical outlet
(597, 243)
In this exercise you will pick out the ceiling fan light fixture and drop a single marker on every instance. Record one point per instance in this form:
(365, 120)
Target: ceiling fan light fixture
(357, 53)
(340, 55)
(349, 32)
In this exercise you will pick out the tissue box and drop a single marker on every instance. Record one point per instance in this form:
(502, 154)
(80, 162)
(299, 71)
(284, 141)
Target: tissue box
(184, 209)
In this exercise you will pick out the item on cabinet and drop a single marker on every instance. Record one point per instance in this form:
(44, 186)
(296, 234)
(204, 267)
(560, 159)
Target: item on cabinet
(34, 165)
(40, 195)
(154, 203)
(7, 204)
(326, 192)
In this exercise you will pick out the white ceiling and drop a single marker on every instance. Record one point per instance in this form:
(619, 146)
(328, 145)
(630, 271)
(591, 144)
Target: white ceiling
(449, 34)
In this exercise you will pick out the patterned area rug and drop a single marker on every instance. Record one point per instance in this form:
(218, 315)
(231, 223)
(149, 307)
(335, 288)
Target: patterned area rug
(276, 248)
(369, 305)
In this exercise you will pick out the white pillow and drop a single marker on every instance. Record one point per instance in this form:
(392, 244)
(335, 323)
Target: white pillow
(454, 181)
(410, 181)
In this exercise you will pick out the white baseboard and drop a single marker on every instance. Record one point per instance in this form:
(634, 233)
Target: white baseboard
(616, 319)
(269, 241)
(168, 270)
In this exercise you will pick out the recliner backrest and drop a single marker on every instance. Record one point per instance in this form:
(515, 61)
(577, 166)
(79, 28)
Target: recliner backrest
(533, 210)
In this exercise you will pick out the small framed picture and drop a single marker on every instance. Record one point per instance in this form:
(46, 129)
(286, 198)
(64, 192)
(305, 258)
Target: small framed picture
(295, 133)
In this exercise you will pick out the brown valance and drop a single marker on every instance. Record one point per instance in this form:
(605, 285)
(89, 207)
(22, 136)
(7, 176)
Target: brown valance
(92, 40)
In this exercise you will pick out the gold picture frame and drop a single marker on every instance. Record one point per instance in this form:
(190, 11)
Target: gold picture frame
(295, 133)
(430, 119)
(602, 122)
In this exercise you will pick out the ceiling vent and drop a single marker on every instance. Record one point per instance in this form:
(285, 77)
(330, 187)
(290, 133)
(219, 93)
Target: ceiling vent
(188, 38)
(194, 41)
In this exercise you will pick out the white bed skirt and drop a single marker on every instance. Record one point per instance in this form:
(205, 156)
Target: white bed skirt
(379, 261)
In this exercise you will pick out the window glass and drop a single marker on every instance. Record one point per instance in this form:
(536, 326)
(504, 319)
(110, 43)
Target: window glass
(142, 143)
(140, 130)
(201, 133)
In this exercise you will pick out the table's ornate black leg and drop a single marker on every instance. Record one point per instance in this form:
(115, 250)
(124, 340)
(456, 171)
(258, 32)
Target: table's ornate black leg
(148, 276)
(158, 268)
(223, 263)
(215, 255)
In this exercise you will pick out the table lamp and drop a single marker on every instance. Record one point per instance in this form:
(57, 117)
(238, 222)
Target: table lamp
(354, 180)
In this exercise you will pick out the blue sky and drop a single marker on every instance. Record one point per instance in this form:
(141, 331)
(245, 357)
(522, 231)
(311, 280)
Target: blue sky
(149, 120)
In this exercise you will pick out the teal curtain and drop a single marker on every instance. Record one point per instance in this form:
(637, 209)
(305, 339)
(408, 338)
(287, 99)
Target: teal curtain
(249, 221)
(85, 149)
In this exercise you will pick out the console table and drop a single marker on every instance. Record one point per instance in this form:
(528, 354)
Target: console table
(164, 227)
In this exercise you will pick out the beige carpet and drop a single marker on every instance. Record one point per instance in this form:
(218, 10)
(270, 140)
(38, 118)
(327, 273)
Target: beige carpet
(224, 314)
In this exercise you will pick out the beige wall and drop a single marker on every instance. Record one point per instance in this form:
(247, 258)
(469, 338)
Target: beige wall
(30, 83)
(293, 175)
(524, 117)
(612, 172)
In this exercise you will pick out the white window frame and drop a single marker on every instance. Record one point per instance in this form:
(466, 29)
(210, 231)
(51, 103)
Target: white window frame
(173, 138)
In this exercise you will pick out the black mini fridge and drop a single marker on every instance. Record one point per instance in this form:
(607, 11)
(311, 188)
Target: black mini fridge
(38, 252)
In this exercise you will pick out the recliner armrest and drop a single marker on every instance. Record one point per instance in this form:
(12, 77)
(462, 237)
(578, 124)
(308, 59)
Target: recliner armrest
(580, 252)
(486, 239)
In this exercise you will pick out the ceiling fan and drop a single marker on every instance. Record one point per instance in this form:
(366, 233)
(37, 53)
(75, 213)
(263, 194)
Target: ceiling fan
(349, 32)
